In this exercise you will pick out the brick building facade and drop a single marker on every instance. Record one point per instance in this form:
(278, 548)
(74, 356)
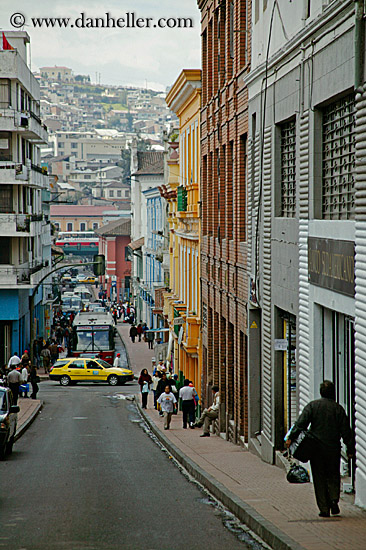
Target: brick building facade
(224, 127)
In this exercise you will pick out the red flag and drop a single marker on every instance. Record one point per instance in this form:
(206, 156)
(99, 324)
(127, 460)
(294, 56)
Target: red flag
(5, 44)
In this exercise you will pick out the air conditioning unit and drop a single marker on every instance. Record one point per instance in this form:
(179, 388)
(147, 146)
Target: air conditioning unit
(23, 121)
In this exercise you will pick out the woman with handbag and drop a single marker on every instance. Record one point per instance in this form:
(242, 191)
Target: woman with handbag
(145, 380)
(34, 379)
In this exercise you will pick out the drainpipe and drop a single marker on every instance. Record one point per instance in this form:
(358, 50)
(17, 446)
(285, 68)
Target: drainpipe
(359, 43)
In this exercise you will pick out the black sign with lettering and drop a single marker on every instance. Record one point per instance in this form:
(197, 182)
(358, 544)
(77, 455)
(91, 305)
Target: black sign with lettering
(331, 264)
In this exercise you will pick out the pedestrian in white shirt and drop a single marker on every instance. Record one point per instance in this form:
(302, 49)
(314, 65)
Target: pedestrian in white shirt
(210, 414)
(167, 402)
(117, 361)
(186, 394)
(14, 360)
(23, 387)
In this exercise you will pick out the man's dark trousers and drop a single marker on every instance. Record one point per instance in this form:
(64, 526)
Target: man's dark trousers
(14, 386)
(325, 468)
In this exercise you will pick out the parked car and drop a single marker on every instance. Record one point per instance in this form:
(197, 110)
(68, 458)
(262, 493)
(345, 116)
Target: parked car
(76, 369)
(8, 421)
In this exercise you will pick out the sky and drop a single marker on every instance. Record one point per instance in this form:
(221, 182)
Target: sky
(133, 56)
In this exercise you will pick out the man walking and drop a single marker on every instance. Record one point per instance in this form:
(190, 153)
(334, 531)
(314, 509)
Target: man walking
(14, 360)
(210, 414)
(328, 424)
(133, 333)
(167, 402)
(14, 381)
(186, 394)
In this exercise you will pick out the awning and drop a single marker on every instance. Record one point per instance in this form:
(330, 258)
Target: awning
(170, 345)
(134, 245)
(158, 330)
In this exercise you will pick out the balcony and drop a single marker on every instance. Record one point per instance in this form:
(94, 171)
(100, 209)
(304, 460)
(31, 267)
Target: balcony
(15, 173)
(14, 225)
(27, 275)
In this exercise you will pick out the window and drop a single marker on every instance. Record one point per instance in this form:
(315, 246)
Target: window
(61, 144)
(82, 226)
(5, 246)
(57, 226)
(111, 193)
(69, 227)
(119, 193)
(74, 145)
(127, 254)
(6, 198)
(77, 365)
(288, 172)
(95, 225)
(87, 177)
(338, 186)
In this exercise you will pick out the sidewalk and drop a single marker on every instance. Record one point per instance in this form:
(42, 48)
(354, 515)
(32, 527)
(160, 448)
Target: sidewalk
(29, 408)
(284, 515)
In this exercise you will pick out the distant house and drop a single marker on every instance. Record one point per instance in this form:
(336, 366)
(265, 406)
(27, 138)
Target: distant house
(114, 239)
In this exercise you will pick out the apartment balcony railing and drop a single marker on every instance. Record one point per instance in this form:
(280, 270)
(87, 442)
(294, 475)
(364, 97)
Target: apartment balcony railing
(12, 276)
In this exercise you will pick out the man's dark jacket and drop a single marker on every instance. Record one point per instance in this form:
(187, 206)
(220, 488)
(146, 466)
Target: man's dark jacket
(328, 423)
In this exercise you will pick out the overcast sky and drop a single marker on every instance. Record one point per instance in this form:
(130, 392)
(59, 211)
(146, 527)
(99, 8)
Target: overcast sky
(122, 56)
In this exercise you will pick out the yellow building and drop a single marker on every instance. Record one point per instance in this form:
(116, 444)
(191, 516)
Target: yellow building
(182, 303)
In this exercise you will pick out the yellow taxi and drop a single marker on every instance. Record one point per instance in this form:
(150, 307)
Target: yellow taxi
(88, 279)
(77, 369)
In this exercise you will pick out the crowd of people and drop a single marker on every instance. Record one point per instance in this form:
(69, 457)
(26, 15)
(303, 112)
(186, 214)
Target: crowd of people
(170, 394)
(19, 374)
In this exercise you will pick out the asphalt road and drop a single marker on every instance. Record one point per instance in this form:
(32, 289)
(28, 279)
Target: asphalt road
(86, 476)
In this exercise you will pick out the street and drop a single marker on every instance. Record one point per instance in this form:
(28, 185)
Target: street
(86, 476)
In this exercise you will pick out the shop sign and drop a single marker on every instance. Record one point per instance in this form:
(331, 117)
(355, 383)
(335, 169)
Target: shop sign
(178, 321)
(280, 344)
(331, 264)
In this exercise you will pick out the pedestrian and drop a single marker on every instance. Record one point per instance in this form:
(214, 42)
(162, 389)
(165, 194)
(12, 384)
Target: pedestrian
(34, 379)
(210, 414)
(133, 333)
(150, 339)
(161, 367)
(115, 316)
(139, 331)
(14, 381)
(24, 387)
(155, 379)
(328, 424)
(117, 361)
(145, 381)
(25, 357)
(160, 388)
(186, 394)
(14, 360)
(53, 351)
(46, 359)
(167, 402)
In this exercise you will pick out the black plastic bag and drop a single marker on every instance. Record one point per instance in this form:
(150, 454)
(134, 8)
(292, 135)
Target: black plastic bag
(297, 474)
(303, 447)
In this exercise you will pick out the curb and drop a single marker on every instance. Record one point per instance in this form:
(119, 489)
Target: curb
(266, 530)
(28, 422)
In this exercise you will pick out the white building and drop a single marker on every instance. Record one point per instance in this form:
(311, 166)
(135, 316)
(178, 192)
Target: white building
(25, 236)
(302, 207)
(148, 213)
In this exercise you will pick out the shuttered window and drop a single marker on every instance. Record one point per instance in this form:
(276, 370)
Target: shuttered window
(288, 169)
(338, 189)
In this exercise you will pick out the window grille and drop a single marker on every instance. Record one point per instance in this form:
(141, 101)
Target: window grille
(288, 170)
(338, 188)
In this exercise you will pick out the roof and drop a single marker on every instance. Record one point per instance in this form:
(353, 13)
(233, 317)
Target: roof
(134, 245)
(120, 227)
(77, 210)
(150, 163)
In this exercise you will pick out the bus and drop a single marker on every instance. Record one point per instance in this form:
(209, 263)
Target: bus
(80, 243)
(93, 335)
